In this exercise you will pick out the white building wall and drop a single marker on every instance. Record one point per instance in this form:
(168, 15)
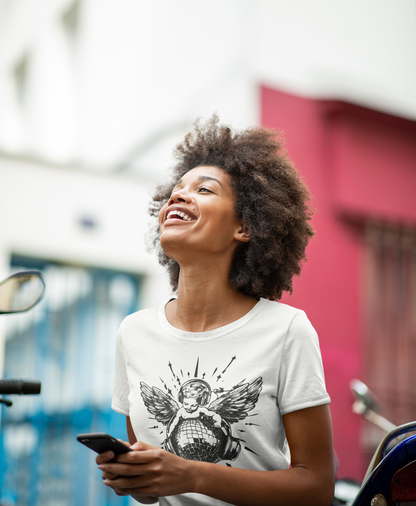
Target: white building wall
(135, 71)
(43, 212)
(363, 52)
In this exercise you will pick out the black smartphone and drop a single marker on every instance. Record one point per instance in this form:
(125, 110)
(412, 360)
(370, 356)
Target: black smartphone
(101, 442)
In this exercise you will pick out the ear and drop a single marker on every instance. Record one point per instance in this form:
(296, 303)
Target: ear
(242, 234)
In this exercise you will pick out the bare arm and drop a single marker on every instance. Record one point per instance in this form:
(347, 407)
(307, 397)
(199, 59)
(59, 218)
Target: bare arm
(130, 432)
(152, 471)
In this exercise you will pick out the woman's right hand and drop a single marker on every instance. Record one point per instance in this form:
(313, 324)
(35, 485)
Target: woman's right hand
(105, 457)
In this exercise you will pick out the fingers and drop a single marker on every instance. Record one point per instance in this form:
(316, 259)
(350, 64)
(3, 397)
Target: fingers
(117, 469)
(137, 492)
(125, 486)
(133, 463)
(152, 472)
(124, 442)
(116, 465)
(108, 476)
(102, 458)
(121, 492)
(139, 456)
(125, 483)
(138, 495)
(128, 473)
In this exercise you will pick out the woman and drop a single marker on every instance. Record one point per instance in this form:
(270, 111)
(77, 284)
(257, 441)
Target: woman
(223, 381)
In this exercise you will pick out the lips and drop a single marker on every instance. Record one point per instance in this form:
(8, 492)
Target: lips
(179, 213)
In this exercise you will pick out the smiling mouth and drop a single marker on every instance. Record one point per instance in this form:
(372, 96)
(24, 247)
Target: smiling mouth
(179, 215)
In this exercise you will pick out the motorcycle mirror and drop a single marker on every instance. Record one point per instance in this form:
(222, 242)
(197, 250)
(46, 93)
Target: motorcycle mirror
(363, 395)
(21, 291)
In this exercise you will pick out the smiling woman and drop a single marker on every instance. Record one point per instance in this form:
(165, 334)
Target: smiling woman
(269, 198)
(204, 196)
(223, 384)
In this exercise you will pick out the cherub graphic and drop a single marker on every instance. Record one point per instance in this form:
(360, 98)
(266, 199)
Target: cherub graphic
(196, 430)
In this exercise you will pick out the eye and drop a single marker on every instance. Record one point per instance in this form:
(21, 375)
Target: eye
(204, 189)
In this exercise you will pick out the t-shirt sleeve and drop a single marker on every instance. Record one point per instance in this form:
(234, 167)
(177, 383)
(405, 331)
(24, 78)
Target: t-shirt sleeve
(120, 402)
(301, 375)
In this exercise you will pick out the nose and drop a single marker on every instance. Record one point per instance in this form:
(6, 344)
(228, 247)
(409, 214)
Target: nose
(179, 196)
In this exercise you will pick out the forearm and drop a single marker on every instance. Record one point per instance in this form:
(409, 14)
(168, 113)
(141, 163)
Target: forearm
(241, 487)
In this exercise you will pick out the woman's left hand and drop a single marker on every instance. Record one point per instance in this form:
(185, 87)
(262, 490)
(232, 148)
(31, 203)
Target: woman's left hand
(148, 470)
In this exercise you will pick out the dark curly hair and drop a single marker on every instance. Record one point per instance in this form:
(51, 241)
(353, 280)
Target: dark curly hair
(270, 199)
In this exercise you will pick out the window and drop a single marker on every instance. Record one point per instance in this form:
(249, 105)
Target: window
(390, 319)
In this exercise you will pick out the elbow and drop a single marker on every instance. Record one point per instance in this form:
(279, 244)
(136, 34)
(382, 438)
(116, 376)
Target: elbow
(324, 492)
(327, 498)
(319, 496)
(319, 489)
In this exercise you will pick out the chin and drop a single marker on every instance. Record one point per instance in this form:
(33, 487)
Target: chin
(166, 249)
(171, 243)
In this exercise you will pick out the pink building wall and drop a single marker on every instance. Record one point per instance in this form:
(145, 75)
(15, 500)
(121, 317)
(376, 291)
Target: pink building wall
(358, 164)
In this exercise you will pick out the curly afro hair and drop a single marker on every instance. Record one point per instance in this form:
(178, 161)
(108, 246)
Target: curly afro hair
(270, 199)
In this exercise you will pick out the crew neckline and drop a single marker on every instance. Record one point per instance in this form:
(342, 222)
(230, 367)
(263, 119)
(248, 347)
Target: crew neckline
(209, 334)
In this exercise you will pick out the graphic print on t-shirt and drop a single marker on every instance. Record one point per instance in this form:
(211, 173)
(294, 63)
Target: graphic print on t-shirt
(199, 427)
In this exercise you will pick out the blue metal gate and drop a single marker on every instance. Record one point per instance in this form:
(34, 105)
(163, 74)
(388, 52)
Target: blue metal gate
(67, 342)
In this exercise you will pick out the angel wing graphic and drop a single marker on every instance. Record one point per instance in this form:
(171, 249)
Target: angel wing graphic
(196, 430)
(160, 405)
(235, 404)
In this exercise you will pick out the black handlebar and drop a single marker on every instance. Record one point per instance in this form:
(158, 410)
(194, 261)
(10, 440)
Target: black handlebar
(19, 387)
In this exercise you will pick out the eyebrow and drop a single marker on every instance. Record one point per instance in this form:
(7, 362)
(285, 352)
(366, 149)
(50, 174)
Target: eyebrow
(202, 178)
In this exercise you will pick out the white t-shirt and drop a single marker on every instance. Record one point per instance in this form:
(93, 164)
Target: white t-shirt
(218, 396)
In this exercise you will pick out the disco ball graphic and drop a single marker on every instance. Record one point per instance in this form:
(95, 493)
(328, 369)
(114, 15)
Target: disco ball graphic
(199, 439)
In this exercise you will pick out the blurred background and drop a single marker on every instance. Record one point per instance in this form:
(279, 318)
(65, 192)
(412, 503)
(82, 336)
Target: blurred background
(94, 95)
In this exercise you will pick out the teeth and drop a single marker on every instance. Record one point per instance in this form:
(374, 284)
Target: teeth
(181, 214)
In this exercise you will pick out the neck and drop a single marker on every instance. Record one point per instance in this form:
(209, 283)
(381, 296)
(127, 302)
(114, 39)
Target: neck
(206, 300)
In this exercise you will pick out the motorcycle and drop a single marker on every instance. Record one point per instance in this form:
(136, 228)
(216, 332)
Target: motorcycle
(390, 479)
(19, 293)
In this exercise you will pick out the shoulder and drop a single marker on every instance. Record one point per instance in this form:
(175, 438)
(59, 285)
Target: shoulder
(143, 319)
(144, 315)
(289, 321)
(283, 313)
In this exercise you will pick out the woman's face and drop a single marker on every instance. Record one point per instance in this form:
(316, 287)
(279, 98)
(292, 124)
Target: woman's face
(199, 216)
